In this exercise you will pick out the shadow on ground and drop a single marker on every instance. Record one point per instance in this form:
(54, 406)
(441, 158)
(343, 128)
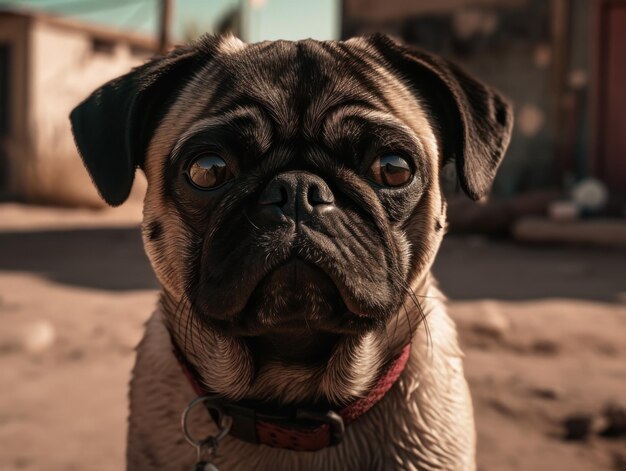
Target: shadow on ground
(467, 268)
(102, 258)
(471, 268)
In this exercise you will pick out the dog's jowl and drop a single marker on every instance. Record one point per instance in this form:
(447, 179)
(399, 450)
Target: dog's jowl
(293, 212)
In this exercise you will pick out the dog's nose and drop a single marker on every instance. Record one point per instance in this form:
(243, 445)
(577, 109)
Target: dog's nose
(297, 195)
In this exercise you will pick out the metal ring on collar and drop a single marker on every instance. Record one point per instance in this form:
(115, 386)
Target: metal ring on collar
(224, 422)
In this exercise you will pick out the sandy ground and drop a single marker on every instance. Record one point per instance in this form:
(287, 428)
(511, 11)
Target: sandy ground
(544, 330)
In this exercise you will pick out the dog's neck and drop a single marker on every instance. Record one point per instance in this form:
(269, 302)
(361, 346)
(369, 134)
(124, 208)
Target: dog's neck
(428, 408)
(302, 347)
(318, 368)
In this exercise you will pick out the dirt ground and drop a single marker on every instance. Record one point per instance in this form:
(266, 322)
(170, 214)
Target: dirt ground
(544, 330)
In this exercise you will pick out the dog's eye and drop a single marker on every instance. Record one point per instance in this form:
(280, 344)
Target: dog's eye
(208, 172)
(390, 170)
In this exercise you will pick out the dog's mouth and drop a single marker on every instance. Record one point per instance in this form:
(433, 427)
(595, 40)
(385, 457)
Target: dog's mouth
(296, 280)
(295, 298)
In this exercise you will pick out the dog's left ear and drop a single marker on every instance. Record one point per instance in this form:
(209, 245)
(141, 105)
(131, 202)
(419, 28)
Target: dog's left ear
(113, 126)
(474, 121)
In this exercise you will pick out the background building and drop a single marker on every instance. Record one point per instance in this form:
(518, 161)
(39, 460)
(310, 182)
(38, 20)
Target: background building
(561, 63)
(47, 65)
(54, 53)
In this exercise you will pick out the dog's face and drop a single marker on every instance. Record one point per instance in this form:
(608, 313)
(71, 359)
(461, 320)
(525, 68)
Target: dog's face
(293, 199)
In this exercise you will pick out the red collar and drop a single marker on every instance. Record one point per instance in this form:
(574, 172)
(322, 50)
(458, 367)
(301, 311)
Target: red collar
(293, 428)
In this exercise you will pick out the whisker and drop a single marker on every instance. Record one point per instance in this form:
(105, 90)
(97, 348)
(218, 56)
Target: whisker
(245, 213)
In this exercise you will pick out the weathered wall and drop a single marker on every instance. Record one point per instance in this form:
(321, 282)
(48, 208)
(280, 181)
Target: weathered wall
(13, 33)
(64, 68)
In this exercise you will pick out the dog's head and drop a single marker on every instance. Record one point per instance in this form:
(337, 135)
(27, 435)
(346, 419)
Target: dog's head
(294, 199)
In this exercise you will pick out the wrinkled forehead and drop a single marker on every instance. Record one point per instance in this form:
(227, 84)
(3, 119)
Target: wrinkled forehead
(292, 88)
(298, 83)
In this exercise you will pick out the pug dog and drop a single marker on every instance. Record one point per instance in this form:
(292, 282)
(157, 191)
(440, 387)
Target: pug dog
(293, 212)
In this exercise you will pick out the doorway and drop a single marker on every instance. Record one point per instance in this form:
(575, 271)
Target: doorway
(4, 116)
(610, 158)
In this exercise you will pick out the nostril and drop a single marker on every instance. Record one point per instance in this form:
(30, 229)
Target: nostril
(284, 197)
(320, 195)
(298, 196)
(274, 195)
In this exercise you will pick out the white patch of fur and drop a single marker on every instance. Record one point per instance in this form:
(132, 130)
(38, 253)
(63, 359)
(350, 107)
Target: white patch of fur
(230, 45)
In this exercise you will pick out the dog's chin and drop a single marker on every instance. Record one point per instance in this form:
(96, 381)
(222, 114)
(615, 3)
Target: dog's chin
(296, 313)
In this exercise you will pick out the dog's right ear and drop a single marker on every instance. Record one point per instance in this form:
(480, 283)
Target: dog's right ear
(113, 126)
(474, 120)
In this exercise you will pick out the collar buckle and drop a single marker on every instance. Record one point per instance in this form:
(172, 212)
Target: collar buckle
(331, 418)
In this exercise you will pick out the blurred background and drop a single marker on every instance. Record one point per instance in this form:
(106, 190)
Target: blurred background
(536, 273)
